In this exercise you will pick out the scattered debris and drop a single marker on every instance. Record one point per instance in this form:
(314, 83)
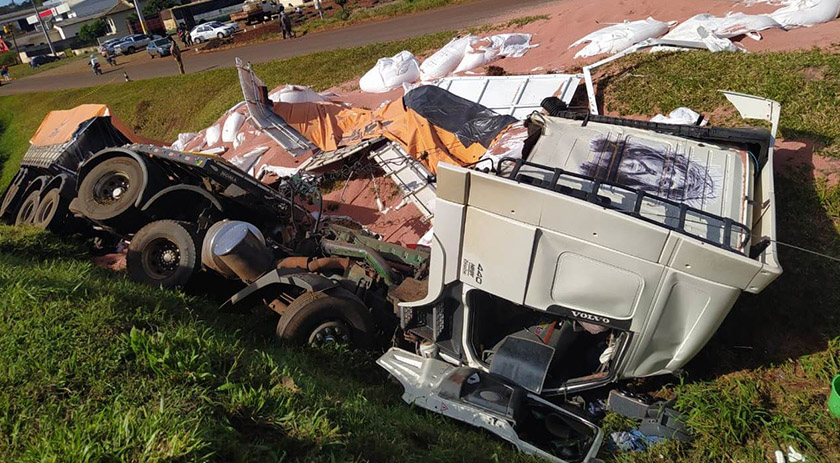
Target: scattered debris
(681, 116)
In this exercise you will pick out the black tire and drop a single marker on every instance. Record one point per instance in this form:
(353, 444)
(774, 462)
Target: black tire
(197, 40)
(163, 254)
(220, 35)
(130, 50)
(111, 188)
(332, 316)
(26, 211)
(51, 213)
(152, 55)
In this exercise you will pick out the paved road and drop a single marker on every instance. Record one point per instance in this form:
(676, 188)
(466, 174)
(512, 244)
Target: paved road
(443, 19)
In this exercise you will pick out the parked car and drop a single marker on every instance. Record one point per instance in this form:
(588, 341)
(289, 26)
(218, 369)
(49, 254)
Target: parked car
(108, 46)
(42, 59)
(159, 47)
(132, 43)
(212, 30)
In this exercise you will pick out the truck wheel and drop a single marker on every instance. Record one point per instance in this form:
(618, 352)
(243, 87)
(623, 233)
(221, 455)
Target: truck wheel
(110, 188)
(51, 212)
(8, 197)
(162, 254)
(26, 211)
(322, 318)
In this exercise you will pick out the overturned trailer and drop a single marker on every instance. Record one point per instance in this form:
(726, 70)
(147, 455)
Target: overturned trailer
(568, 252)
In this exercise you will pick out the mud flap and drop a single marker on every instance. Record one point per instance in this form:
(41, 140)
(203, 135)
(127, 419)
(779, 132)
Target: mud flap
(534, 425)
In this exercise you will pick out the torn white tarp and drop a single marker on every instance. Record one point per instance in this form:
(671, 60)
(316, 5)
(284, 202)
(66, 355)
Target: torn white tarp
(391, 73)
(806, 13)
(295, 94)
(615, 38)
(698, 28)
(444, 61)
(680, 116)
(246, 162)
(485, 50)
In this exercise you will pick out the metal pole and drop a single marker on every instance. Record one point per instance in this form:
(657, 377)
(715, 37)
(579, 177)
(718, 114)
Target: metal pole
(140, 17)
(14, 40)
(41, 21)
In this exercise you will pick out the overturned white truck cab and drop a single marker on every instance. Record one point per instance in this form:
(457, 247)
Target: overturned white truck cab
(612, 249)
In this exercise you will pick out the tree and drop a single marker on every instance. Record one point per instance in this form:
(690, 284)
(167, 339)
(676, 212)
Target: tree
(343, 14)
(153, 7)
(90, 31)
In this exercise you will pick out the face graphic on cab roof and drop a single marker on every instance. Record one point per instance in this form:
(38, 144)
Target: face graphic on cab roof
(652, 169)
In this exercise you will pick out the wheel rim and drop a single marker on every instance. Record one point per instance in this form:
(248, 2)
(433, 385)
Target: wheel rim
(111, 187)
(45, 211)
(161, 259)
(27, 212)
(332, 332)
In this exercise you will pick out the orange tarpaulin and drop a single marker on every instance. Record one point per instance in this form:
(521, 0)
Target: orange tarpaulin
(330, 125)
(59, 126)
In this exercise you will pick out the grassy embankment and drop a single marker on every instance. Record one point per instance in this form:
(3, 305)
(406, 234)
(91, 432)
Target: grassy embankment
(102, 368)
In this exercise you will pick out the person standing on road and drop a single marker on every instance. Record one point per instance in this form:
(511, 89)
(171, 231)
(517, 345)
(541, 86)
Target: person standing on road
(4, 71)
(286, 25)
(176, 53)
(318, 8)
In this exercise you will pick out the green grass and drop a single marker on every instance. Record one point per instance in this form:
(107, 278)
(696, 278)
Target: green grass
(161, 108)
(806, 83)
(358, 15)
(97, 368)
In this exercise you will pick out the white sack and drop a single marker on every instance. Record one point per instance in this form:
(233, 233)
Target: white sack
(295, 94)
(390, 73)
(735, 24)
(806, 13)
(679, 116)
(232, 124)
(483, 51)
(445, 60)
(183, 139)
(240, 137)
(616, 38)
(698, 28)
(212, 135)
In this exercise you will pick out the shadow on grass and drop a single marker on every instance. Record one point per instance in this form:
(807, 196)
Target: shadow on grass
(797, 314)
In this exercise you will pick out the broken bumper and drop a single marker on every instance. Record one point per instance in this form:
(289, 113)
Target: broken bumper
(534, 425)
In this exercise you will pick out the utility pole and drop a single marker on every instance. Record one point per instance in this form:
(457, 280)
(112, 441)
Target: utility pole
(44, 27)
(10, 29)
(140, 17)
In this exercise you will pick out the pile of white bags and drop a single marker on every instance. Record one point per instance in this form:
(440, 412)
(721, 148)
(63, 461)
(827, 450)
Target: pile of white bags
(799, 13)
(483, 51)
(618, 37)
(391, 73)
(444, 61)
(468, 52)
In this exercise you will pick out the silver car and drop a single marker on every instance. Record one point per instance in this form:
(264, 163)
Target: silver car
(132, 43)
(159, 47)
